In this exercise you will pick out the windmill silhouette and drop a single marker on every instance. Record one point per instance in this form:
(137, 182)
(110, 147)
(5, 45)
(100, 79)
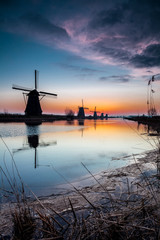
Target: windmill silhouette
(102, 116)
(33, 107)
(81, 113)
(106, 117)
(95, 116)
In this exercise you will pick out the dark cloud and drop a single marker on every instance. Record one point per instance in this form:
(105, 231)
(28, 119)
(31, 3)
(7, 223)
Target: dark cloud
(116, 53)
(152, 50)
(150, 57)
(125, 28)
(35, 26)
(117, 79)
(6, 3)
(108, 17)
(40, 24)
(131, 18)
(116, 30)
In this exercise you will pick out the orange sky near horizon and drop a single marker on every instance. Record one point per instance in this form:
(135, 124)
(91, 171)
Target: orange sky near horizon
(126, 100)
(58, 106)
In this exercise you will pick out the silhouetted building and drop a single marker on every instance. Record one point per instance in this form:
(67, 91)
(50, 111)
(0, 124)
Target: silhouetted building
(81, 113)
(33, 107)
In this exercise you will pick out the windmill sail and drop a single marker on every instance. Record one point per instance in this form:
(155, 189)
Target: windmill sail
(33, 107)
(16, 87)
(36, 79)
(47, 93)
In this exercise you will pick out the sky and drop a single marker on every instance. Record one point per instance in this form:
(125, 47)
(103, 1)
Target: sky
(101, 51)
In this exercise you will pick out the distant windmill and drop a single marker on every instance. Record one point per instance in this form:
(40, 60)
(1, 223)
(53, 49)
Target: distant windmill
(102, 116)
(33, 107)
(81, 113)
(95, 113)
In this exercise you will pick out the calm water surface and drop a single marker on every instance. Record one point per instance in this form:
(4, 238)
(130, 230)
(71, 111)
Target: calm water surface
(39, 150)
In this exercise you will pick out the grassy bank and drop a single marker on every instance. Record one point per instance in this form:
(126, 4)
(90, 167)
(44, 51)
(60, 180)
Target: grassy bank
(122, 204)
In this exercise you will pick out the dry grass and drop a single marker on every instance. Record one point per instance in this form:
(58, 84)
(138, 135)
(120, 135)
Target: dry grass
(23, 223)
(131, 213)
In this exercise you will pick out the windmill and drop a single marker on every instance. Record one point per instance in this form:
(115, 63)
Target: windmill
(33, 97)
(95, 113)
(81, 113)
(106, 116)
(102, 116)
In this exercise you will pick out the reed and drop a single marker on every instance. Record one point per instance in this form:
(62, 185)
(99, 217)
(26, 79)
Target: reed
(23, 223)
(132, 213)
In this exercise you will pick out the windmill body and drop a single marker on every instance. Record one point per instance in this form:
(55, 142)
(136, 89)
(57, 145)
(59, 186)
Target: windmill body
(95, 116)
(33, 107)
(81, 113)
(102, 116)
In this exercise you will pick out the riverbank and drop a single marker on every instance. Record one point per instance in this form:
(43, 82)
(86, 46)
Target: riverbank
(120, 204)
(6, 118)
(146, 120)
(36, 120)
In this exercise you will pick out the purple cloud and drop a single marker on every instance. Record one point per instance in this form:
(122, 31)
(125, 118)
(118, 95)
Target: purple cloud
(110, 32)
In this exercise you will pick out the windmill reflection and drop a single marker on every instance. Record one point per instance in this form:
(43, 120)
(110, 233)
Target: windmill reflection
(81, 122)
(32, 141)
(95, 124)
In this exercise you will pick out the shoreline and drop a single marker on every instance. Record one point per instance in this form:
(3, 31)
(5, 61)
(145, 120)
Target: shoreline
(37, 120)
(107, 185)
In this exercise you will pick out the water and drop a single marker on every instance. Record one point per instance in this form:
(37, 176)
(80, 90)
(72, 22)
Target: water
(46, 154)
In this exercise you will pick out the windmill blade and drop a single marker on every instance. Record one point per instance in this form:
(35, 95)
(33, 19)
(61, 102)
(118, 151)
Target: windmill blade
(36, 79)
(82, 102)
(86, 108)
(20, 149)
(47, 93)
(46, 144)
(21, 88)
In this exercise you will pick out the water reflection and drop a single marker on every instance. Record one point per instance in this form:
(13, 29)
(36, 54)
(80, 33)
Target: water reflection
(153, 132)
(81, 122)
(94, 142)
(32, 130)
(69, 122)
(33, 142)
